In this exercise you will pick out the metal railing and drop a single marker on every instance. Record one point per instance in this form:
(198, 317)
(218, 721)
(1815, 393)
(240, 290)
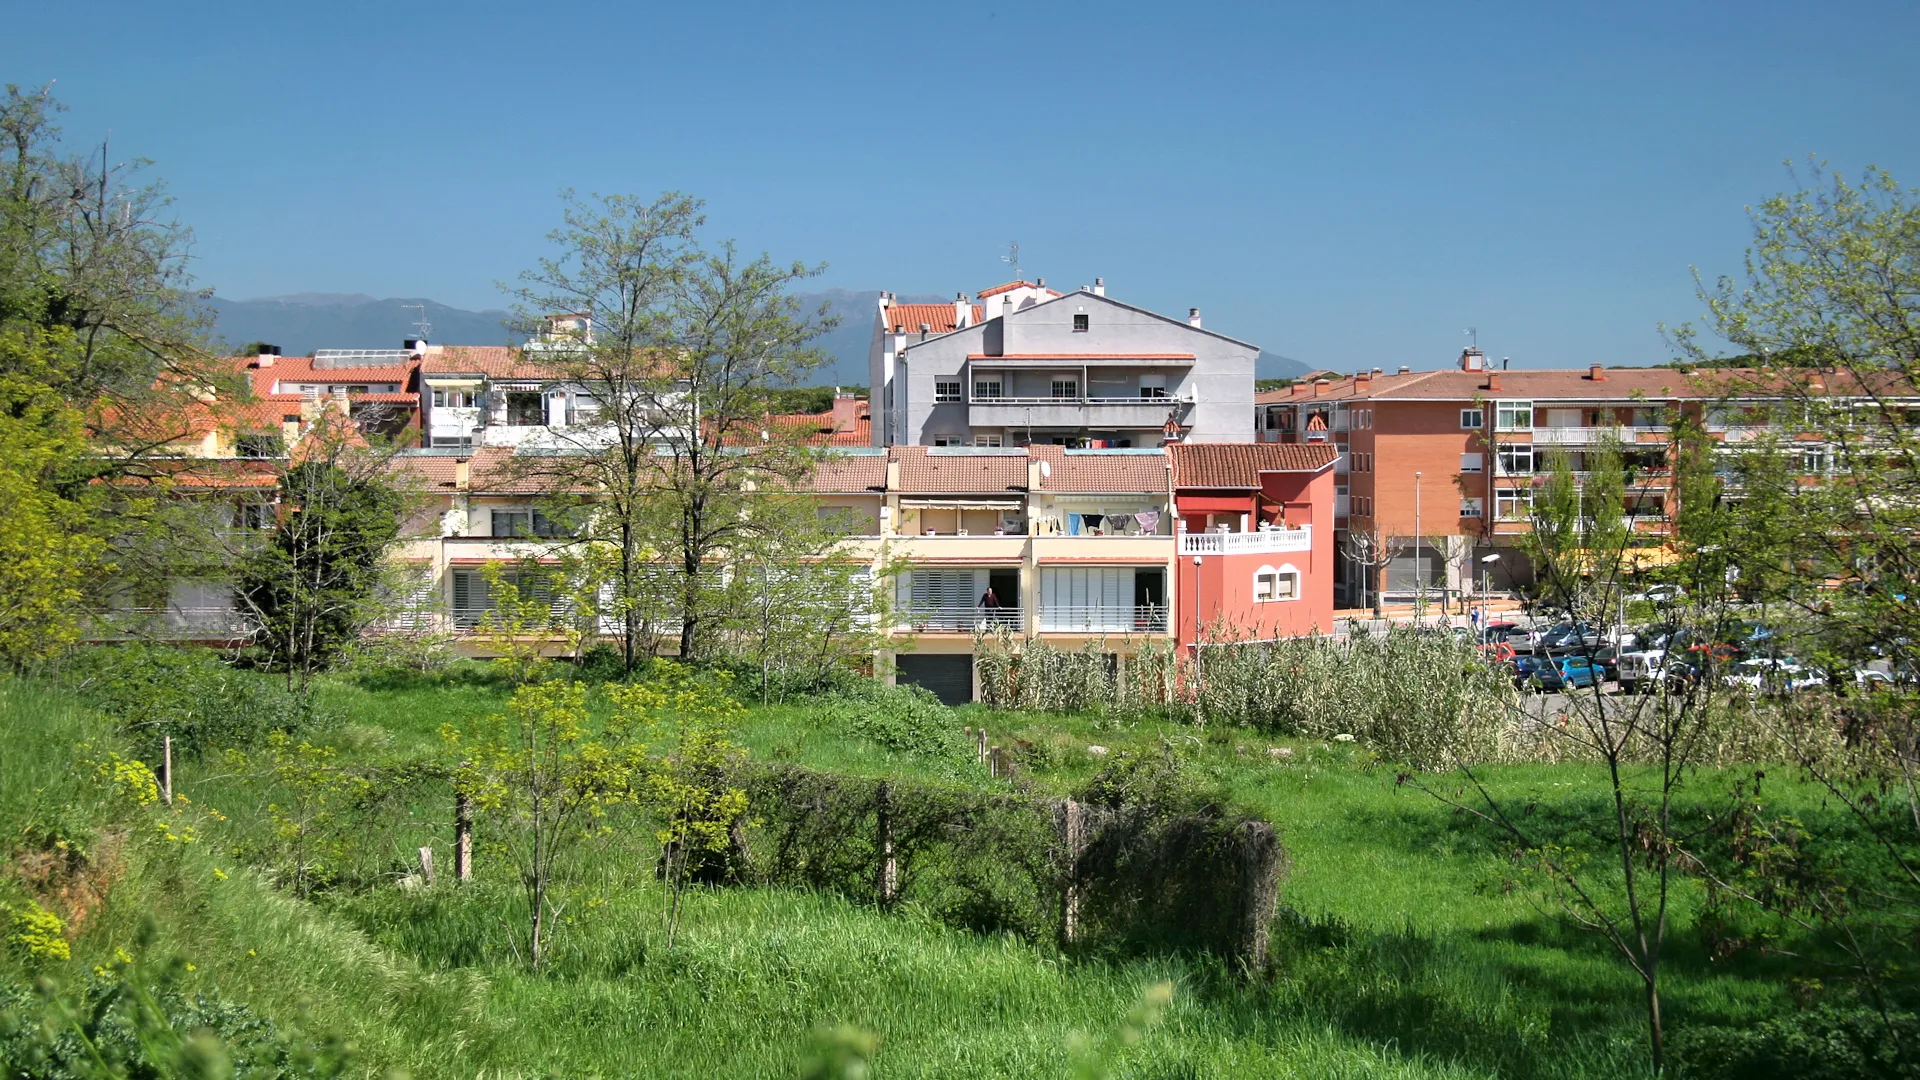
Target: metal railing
(955, 618)
(1232, 543)
(179, 622)
(1104, 618)
(1170, 399)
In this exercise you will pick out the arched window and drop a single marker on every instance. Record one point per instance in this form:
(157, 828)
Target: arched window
(1272, 584)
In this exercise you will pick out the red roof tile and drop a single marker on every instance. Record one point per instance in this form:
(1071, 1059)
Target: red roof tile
(922, 471)
(938, 318)
(1239, 465)
(1100, 472)
(1012, 285)
(864, 474)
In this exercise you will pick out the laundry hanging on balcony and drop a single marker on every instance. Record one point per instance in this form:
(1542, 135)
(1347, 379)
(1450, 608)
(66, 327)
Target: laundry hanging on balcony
(1149, 520)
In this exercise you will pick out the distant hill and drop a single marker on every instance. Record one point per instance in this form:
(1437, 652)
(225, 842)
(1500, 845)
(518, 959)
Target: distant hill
(302, 322)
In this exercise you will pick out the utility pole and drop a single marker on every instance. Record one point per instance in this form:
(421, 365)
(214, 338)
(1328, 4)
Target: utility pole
(1419, 558)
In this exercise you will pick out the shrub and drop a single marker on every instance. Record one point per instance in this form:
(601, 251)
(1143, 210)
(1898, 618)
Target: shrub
(1829, 1042)
(906, 719)
(192, 695)
(1155, 782)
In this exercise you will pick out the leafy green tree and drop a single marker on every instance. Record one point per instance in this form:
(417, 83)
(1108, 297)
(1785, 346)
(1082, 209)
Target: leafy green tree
(689, 345)
(314, 583)
(50, 551)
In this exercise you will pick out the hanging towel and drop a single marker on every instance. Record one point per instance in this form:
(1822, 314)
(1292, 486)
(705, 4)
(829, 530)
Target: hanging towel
(1149, 520)
(1092, 520)
(1119, 523)
(1073, 524)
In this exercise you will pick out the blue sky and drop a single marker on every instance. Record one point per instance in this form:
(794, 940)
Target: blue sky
(1346, 184)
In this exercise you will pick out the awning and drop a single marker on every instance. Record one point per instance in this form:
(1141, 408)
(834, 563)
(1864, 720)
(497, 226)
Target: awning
(937, 504)
(453, 380)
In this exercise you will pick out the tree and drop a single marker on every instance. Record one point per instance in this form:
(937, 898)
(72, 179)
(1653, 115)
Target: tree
(1648, 746)
(314, 583)
(687, 346)
(1817, 507)
(546, 779)
(1373, 552)
(49, 552)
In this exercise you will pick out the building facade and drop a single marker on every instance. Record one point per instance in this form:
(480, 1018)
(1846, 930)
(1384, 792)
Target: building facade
(1028, 365)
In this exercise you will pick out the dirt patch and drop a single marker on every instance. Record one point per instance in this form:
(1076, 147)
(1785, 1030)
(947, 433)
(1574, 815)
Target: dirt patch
(72, 885)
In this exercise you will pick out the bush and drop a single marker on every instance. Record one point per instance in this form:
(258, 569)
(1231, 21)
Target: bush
(190, 694)
(906, 719)
(1825, 1043)
(1155, 782)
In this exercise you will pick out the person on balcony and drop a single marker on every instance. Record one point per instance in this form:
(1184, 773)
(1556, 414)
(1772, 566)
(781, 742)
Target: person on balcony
(989, 601)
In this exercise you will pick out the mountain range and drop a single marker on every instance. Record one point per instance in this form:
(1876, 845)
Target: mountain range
(302, 322)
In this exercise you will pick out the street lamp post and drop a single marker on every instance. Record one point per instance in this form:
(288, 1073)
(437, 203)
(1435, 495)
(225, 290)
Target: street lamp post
(1199, 717)
(1486, 584)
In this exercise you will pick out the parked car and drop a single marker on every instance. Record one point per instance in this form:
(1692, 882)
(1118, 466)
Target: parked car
(1870, 679)
(1649, 670)
(1607, 659)
(1562, 636)
(1659, 594)
(1554, 675)
(1773, 676)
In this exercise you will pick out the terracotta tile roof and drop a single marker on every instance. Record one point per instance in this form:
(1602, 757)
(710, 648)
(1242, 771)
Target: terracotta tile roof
(1101, 472)
(907, 318)
(493, 471)
(1549, 384)
(1239, 465)
(957, 473)
(851, 474)
(493, 361)
(1012, 285)
(822, 429)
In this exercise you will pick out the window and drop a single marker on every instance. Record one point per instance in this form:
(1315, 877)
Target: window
(1813, 463)
(944, 390)
(1270, 584)
(255, 515)
(949, 440)
(1471, 508)
(1515, 460)
(525, 523)
(1513, 416)
(841, 520)
(1513, 505)
(1066, 387)
(526, 408)
(453, 442)
(451, 399)
(1080, 324)
(987, 388)
(1153, 387)
(1472, 419)
(260, 446)
(986, 440)
(1472, 462)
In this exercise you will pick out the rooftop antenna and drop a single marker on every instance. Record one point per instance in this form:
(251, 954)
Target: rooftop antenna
(421, 324)
(1473, 336)
(1013, 256)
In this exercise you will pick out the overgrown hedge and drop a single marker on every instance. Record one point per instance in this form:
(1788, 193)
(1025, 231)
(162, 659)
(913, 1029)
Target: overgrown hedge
(1086, 876)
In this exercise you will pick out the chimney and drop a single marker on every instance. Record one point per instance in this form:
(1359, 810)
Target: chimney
(1193, 316)
(1039, 283)
(1006, 304)
(268, 354)
(1405, 370)
(886, 300)
(1317, 384)
(924, 331)
(1362, 380)
(1473, 360)
(1099, 286)
(1493, 380)
(962, 311)
(1296, 388)
(893, 474)
(846, 410)
(462, 473)
(1596, 373)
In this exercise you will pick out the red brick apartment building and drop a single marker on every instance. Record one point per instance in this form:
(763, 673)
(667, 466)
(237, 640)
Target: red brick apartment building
(1453, 457)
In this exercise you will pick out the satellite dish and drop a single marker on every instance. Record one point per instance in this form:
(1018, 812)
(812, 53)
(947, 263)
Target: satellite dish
(1046, 470)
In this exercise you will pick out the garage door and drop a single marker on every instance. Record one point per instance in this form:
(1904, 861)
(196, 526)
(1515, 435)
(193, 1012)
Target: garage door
(950, 677)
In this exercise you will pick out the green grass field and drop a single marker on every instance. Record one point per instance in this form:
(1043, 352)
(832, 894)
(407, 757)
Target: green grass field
(1405, 947)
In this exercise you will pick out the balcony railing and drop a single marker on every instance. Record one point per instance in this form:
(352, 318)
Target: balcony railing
(180, 622)
(1248, 543)
(1170, 399)
(1104, 618)
(1571, 436)
(957, 619)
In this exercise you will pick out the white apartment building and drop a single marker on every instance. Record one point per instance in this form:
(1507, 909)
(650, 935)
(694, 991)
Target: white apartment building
(1028, 365)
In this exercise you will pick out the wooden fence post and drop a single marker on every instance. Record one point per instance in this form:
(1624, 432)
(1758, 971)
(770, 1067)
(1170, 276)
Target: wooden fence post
(1261, 862)
(462, 837)
(166, 768)
(980, 744)
(426, 867)
(1073, 835)
(887, 872)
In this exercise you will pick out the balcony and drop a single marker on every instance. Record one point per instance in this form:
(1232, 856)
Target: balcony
(956, 619)
(1104, 619)
(1247, 543)
(1074, 412)
(222, 623)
